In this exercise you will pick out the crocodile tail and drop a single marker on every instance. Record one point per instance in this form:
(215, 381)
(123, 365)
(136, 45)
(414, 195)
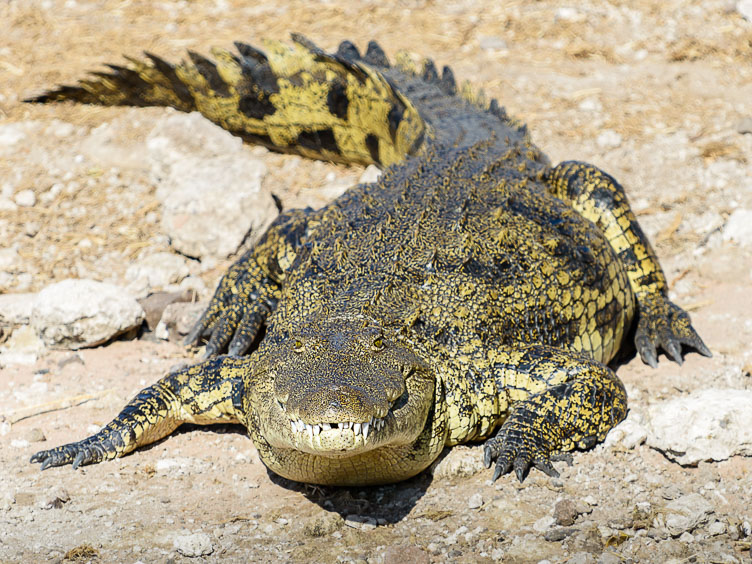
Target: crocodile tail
(293, 99)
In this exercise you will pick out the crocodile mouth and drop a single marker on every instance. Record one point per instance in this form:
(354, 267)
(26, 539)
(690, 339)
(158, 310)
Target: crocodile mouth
(363, 428)
(337, 438)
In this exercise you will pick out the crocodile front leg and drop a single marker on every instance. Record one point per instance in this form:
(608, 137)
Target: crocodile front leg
(206, 393)
(599, 198)
(564, 400)
(250, 289)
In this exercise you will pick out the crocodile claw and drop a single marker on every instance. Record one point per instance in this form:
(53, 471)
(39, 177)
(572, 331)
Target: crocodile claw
(511, 453)
(663, 324)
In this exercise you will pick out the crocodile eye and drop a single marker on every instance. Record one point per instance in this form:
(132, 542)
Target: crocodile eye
(298, 346)
(378, 344)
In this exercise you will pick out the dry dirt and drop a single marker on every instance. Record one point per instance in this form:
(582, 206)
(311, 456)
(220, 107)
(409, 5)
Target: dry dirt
(651, 91)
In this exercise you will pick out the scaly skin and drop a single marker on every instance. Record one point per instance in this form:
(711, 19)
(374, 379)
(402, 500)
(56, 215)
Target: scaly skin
(473, 293)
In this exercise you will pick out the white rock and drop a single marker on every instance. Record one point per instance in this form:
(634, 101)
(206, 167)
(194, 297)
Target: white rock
(744, 7)
(197, 544)
(460, 462)
(738, 227)
(210, 204)
(83, 313)
(686, 513)
(475, 501)
(25, 198)
(608, 139)
(23, 347)
(15, 309)
(544, 523)
(370, 174)
(716, 528)
(180, 134)
(11, 134)
(156, 271)
(9, 259)
(7, 204)
(710, 424)
(630, 433)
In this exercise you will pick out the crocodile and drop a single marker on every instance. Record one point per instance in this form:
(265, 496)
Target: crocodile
(475, 292)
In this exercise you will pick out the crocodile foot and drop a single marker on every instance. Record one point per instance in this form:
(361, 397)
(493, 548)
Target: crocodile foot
(663, 324)
(88, 451)
(519, 447)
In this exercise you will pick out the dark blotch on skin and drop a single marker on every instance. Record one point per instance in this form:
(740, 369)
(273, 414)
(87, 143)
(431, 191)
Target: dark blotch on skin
(319, 139)
(337, 101)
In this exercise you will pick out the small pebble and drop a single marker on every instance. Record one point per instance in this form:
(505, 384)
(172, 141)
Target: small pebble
(558, 534)
(55, 498)
(475, 501)
(565, 512)
(744, 125)
(34, 435)
(198, 544)
(25, 198)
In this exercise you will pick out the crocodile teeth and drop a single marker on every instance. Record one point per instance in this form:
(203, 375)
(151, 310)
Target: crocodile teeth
(346, 425)
(356, 428)
(293, 426)
(326, 427)
(366, 426)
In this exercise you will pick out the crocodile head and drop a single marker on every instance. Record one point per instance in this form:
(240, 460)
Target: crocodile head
(339, 393)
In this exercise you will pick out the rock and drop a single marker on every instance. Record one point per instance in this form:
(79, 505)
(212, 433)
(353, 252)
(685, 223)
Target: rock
(406, 554)
(155, 304)
(178, 319)
(565, 512)
(460, 462)
(738, 228)
(608, 139)
(370, 174)
(716, 424)
(15, 309)
(543, 524)
(23, 347)
(629, 434)
(558, 534)
(323, 524)
(362, 522)
(55, 498)
(197, 544)
(25, 198)
(529, 548)
(155, 271)
(83, 313)
(716, 528)
(581, 558)
(609, 558)
(744, 7)
(34, 435)
(588, 540)
(686, 513)
(475, 501)
(12, 133)
(180, 134)
(210, 205)
(9, 259)
(209, 186)
(744, 126)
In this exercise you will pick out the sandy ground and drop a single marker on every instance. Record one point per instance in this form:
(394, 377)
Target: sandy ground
(653, 92)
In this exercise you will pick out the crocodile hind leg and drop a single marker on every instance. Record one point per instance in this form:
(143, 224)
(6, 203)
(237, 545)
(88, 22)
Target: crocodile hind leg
(601, 199)
(204, 394)
(564, 400)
